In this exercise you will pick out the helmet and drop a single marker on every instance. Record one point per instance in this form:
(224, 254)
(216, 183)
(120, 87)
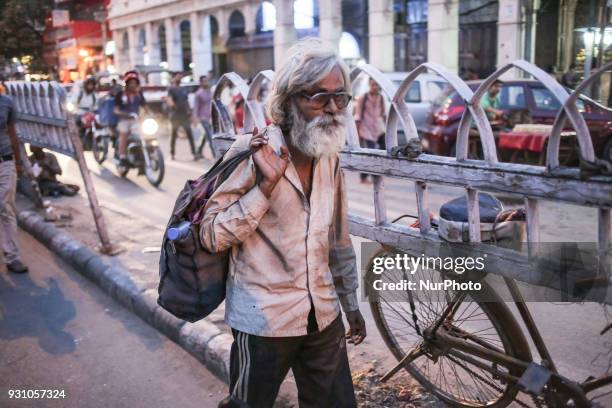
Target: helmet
(90, 80)
(131, 75)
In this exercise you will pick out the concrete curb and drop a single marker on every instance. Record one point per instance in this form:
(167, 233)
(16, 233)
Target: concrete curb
(202, 339)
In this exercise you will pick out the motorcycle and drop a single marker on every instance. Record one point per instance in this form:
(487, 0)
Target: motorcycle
(94, 137)
(102, 137)
(143, 152)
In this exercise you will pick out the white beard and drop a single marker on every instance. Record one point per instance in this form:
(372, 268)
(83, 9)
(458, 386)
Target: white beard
(322, 136)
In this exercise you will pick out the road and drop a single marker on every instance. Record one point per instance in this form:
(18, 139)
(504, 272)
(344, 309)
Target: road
(58, 331)
(571, 331)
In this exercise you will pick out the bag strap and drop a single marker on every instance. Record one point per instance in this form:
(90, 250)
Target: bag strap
(222, 165)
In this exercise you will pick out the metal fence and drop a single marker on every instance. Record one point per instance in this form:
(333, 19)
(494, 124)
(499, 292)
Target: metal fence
(532, 183)
(42, 120)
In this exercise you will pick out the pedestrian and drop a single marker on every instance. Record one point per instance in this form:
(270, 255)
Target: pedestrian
(46, 169)
(10, 168)
(238, 103)
(292, 265)
(570, 78)
(115, 88)
(370, 118)
(180, 114)
(490, 102)
(202, 104)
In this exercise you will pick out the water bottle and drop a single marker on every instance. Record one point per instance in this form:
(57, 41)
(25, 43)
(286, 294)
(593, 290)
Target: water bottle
(179, 232)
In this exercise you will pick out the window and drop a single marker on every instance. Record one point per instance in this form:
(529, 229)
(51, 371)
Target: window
(512, 97)
(545, 100)
(434, 88)
(303, 14)
(266, 17)
(236, 24)
(414, 92)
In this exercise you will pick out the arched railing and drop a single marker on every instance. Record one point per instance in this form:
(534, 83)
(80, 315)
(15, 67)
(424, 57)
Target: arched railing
(533, 183)
(570, 110)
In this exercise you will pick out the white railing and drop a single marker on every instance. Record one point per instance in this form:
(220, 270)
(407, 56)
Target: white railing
(42, 120)
(533, 183)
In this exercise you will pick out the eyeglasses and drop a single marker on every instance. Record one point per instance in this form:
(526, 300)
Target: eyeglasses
(321, 99)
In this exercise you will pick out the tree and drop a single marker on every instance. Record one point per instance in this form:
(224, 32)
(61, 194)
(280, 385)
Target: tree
(22, 24)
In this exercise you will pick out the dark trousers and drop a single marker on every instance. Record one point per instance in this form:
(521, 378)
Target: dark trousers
(258, 366)
(55, 188)
(206, 137)
(178, 122)
(379, 144)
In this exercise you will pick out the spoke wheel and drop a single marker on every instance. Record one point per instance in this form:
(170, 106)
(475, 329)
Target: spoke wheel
(455, 381)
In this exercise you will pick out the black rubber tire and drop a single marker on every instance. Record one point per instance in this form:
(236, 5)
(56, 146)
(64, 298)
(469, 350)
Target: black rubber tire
(123, 171)
(100, 150)
(156, 180)
(508, 329)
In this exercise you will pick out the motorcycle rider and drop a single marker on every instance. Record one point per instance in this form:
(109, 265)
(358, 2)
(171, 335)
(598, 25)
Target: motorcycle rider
(128, 103)
(85, 102)
(86, 98)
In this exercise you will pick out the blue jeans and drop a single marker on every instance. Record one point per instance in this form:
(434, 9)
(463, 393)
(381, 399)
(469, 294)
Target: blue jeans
(379, 144)
(208, 136)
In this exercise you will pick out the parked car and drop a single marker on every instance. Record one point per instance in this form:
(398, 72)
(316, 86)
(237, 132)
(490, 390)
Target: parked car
(422, 92)
(440, 131)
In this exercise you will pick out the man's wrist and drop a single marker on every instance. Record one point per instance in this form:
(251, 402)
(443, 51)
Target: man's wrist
(349, 302)
(267, 186)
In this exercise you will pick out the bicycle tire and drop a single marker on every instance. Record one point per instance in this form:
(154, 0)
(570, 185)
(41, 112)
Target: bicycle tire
(510, 333)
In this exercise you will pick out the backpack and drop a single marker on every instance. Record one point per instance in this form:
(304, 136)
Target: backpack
(106, 112)
(192, 279)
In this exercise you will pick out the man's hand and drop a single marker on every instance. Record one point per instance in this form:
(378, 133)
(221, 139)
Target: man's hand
(271, 166)
(357, 328)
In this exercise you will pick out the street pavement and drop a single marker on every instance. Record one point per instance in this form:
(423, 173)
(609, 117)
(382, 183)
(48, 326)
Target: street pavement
(59, 331)
(571, 331)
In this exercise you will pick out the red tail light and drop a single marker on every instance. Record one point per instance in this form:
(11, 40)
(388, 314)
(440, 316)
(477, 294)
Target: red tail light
(446, 114)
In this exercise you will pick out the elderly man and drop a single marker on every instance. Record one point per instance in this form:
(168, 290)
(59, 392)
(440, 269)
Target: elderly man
(283, 213)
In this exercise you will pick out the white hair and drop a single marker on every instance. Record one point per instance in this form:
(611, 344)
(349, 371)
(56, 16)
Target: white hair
(308, 62)
(322, 136)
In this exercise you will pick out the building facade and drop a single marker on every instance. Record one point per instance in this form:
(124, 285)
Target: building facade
(74, 38)
(471, 37)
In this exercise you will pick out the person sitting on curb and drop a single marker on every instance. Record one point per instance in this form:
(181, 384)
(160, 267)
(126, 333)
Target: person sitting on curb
(46, 169)
(292, 265)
